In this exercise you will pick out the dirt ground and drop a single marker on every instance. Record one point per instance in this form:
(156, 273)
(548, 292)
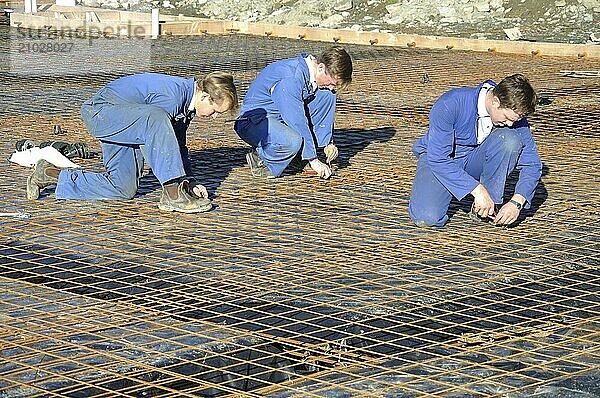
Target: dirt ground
(574, 21)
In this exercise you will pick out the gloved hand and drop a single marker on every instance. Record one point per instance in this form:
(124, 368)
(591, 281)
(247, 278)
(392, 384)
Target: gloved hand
(76, 150)
(320, 168)
(331, 152)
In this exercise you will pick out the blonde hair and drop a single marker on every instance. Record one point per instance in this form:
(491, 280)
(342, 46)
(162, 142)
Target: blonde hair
(220, 87)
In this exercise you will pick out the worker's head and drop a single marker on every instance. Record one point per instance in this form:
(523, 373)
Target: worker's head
(334, 69)
(215, 94)
(512, 99)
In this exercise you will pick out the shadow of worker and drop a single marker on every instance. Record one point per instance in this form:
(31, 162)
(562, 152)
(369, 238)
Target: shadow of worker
(280, 146)
(212, 166)
(351, 142)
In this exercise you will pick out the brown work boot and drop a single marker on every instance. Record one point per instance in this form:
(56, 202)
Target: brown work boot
(184, 202)
(44, 175)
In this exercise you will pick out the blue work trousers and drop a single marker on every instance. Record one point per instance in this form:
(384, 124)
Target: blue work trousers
(490, 163)
(277, 143)
(128, 134)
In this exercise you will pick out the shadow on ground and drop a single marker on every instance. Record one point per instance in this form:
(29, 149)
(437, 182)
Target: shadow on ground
(213, 165)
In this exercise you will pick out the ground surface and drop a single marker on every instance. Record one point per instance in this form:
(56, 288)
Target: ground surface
(298, 287)
(556, 20)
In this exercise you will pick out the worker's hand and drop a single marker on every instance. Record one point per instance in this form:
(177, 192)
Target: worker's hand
(199, 190)
(507, 214)
(483, 205)
(320, 168)
(331, 152)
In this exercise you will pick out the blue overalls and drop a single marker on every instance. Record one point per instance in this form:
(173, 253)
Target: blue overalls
(135, 117)
(451, 163)
(283, 114)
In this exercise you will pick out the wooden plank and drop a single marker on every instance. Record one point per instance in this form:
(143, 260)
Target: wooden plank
(383, 39)
(180, 25)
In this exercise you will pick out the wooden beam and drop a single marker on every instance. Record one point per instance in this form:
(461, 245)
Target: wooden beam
(384, 39)
(180, 25)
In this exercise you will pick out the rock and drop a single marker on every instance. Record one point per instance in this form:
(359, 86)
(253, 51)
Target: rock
(482, 6)
(343, 5)
(394, 8)
(467, 10)
(332, 22)
(447, 12)
(110, 4)
(595, 37)
(396, 14)
(560, 3)
(495, 4)
(590, 4)
(449, 20)
(513, 33)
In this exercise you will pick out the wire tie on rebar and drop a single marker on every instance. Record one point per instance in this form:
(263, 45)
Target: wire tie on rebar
(374, 41)
(411, 44)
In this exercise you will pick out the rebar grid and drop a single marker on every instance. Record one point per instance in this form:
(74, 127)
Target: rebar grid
(300, 287)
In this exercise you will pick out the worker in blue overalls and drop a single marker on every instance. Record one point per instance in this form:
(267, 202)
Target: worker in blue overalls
(289, 111)
(136, 118)
(477, 136)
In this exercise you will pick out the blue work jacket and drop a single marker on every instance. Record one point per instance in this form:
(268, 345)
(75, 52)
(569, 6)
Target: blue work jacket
(171, 93)
(284, 89)
(452, 135)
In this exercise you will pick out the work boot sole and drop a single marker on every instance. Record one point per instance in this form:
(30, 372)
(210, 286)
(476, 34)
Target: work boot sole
(166, 207)
(33, 190)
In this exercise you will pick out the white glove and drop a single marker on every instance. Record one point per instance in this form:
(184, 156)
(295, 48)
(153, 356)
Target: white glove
(331, 152)
(320, 168)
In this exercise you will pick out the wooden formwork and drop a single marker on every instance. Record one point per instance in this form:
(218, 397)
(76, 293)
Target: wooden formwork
(65, 17)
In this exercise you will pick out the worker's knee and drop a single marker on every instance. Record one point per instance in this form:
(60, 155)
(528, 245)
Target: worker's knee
(428, 222)
(510, 141)
(128, 192)
(427, 217)
(295, 143)
(123, 188)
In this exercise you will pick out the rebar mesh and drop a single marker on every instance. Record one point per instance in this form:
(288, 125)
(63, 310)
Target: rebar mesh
(300, 287)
